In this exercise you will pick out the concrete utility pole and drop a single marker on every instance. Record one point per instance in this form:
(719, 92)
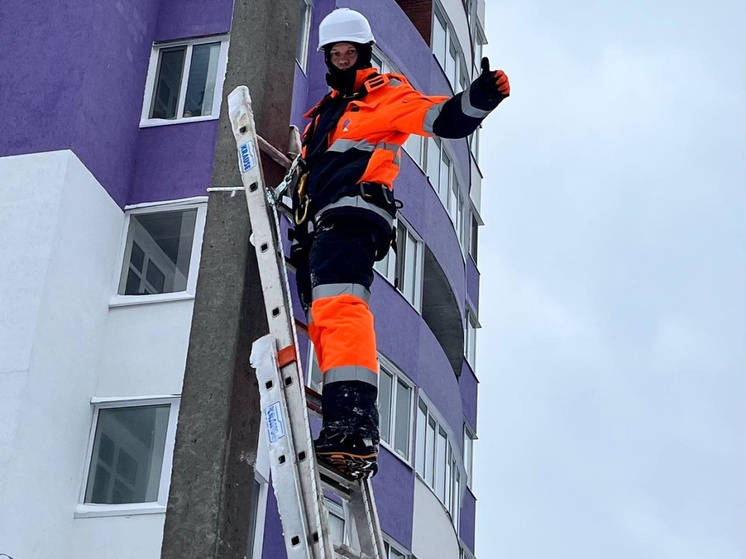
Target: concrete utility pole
(212, 482)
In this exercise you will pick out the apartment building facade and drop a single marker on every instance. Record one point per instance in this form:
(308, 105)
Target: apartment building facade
(111, 127)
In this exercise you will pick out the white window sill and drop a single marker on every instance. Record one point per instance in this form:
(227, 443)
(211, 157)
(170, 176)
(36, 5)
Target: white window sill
(97, 511)
(127, 300)
(152, 122)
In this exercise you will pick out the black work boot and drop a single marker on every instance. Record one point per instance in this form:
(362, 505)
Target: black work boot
(352, 456)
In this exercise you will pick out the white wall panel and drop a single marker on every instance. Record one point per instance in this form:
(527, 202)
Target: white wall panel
(144, 350)
(118, 537)
(66, 233)
(29, 203)
(433, 535)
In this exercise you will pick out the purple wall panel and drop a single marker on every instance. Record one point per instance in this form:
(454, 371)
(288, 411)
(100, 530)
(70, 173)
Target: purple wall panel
(393, 487)
(468, 385)
(468, 519)
(38, 85)
(404, 338)
(274, 545)
(179, 19)
(174, 161)
(87, 95)
(106, 128)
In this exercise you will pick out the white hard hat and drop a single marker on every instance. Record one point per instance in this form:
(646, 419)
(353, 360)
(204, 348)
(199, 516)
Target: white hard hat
(344, 25)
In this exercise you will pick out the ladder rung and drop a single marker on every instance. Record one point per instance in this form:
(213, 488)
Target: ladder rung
(337, 483)
(348, 553)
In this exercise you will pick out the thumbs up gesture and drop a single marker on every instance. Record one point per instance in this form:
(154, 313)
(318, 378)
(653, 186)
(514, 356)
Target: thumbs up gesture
(490, 88)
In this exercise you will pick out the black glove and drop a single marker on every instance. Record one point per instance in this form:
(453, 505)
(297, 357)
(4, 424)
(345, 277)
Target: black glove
(489, 89)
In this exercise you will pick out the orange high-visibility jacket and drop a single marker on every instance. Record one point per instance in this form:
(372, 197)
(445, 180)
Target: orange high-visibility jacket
(364, 146)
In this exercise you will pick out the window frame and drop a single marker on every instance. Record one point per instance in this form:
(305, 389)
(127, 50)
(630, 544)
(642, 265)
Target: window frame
(398, 376)
(260, 516)
(342, 513)
(392, 265)
(468, 457)
(94, 510)
(145, 120)
(447, 189)
(471, 325)
(395, 546)
(452, 494)
(200, 204)
(305, 35)
(419, 265)
(439, 16)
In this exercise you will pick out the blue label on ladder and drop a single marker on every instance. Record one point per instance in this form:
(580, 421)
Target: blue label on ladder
(248, 156)
(275, 425)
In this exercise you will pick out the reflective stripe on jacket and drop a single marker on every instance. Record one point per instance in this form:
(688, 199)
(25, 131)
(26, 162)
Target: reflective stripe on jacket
(365, 144)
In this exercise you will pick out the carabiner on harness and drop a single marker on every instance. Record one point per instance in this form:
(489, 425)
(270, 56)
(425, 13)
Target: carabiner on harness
(275, 195)
(303, 200)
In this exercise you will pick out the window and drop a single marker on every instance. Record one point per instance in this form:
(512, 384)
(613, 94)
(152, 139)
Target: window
(392, 552)
(185, 81)
(129, 457)
(470, 339)
(161, 249)
(441, 171)
(403, 268)
(474, 238)
(474, 144)
(468, 455)
(257, 517)
(437, 463)
(415, 147)
(441, 460)
(456, 206)
(432, 167)
(445, 176)
(430, 451)
(337, 522)
(383, 63)
(395, 408)
(440, 37)
(446, 49)
(301, 49)
(409, 264)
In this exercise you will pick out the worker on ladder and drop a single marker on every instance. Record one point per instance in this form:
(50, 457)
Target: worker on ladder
(344, 210)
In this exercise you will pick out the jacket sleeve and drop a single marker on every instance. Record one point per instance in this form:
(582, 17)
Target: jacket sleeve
(447, 117)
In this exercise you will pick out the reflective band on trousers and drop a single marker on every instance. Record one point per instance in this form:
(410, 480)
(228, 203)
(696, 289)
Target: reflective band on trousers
(356, 202)
(468, 109)
(334, 289)
(341, 146)
(351, 372)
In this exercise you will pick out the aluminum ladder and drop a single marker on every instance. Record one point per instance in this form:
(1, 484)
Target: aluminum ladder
(298, 479)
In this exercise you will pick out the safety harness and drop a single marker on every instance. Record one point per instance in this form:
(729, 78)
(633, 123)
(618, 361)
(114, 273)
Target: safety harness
(376, 196)
(371, 197)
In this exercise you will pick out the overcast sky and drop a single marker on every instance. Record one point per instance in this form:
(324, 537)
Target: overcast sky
(611, 357)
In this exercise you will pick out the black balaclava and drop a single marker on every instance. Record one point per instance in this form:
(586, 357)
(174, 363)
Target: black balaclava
(344, 80)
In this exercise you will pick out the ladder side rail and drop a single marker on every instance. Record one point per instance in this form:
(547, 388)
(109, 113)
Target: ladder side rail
(281, 449)
(362, 506)
(279, 316)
